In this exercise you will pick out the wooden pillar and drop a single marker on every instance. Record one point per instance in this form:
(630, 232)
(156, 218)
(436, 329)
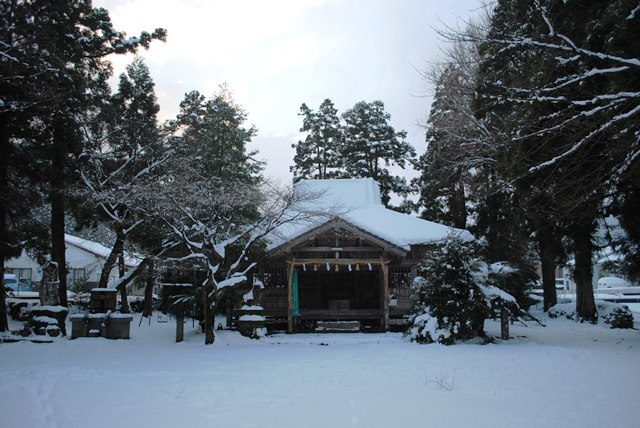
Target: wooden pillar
(290, 267)
(504, 323)
(384, 267)
(179, 327)
(229, 316)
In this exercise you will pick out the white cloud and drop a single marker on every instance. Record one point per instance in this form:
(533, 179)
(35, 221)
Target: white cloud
(213, 32)
(276, 54)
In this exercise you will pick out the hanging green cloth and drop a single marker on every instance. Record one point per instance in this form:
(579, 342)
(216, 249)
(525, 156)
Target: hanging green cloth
(294, 294)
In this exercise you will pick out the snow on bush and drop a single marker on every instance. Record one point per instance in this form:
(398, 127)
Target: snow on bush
(614, 314)
(617, 316)
(425, 329)
(453, 297)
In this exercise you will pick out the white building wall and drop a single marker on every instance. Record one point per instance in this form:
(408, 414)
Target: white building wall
(83, 262)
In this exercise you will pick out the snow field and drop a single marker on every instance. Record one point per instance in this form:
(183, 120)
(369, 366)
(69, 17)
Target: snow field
(566, 374)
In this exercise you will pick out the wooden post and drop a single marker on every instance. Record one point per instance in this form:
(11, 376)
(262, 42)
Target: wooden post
(229, 316)
(384, 267)
(504, 323)
(290, 267)
(179, 327)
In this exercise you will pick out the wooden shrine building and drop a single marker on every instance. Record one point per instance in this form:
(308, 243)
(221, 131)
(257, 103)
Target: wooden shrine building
(355, 264)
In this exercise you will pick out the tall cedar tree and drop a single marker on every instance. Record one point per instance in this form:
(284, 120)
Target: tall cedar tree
(214, 200)
(371, 145)
(53, 67)
(125, 151)
(212, 194)
(318, 156)
(445, 166)
(214, 128)
(561, 73)
(459, 184)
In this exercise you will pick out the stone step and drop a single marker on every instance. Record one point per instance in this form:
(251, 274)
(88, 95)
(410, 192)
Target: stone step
(337, 326)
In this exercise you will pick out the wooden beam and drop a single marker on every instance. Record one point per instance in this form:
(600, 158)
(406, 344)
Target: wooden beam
(290, 267)
(384, 264)
(333, 249)
(341, 262)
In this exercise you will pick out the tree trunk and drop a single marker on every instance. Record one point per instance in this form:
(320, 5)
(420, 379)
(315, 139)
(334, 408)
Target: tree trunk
(109, 264)
(147, 309)
(57, 209)
(458, 203)
(208, 314)
(546, 247)
(4, 168)
(4, 321)
(583, 275)
(133, 274)
(124, 301)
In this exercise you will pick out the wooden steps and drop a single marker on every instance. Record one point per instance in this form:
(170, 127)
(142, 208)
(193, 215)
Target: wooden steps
(337, 326)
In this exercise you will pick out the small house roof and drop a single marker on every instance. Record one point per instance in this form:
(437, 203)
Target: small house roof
(358, 202)
(97, 249)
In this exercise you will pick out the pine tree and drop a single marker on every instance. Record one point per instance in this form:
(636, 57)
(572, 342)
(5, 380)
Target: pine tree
(371, 145)
(214, 130)
(318, 156)
(211, 200)
(126, 153)
(450, 305)
(459, 183)
(559, 76)
(445, 167)
(53, 68)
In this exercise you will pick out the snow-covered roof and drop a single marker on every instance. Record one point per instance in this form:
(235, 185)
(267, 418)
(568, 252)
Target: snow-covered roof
(358, 202)
(97, 249)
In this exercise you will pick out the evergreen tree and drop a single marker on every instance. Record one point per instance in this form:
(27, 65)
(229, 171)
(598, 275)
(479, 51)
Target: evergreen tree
(450, 304)
(445, 167)
(460, 184)
(210, 200)
(213, 200)
(126, 152)
(214, 130)
(318, 156)
(371, 145)
(559, 75)
(53, 68)
(626, 207)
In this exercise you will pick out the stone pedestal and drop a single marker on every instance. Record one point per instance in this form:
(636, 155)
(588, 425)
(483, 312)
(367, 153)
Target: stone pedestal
(118, 326)
(103, 300)
(107, 325)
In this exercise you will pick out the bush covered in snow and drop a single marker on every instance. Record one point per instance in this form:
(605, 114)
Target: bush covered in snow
(449, 305)
(515, 280)
(614, 314)
(455, 293)
(618, 316)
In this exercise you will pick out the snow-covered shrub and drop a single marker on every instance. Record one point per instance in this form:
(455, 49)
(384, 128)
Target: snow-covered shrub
(450, 304)
(566, 310)
(515, 280)
(614, 314)
(82, 301)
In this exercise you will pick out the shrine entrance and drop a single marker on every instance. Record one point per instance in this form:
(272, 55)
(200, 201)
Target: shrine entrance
(339, 290)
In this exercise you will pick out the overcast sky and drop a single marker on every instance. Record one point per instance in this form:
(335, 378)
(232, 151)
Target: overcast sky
(275, 55)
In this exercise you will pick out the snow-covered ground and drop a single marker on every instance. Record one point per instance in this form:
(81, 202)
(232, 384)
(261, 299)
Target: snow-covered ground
(563, 375)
